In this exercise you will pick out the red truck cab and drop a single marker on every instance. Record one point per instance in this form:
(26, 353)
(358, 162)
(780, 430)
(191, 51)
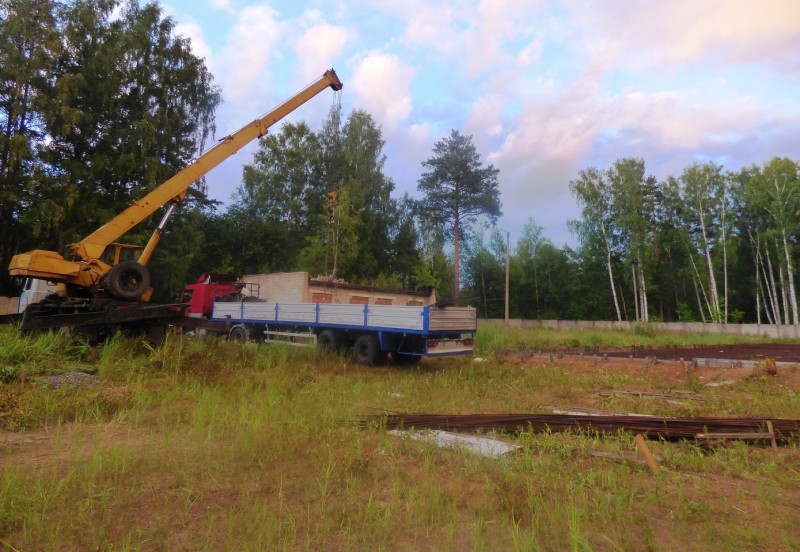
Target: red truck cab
(211, 287)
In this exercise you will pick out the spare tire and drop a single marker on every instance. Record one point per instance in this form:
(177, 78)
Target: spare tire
(127, 281)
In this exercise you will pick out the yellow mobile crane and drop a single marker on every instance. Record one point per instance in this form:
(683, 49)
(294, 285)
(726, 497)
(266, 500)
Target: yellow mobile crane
(100, 267)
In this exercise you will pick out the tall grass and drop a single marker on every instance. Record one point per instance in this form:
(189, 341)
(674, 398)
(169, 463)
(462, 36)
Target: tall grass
(494, 338)
(206, 445)
(48, 352)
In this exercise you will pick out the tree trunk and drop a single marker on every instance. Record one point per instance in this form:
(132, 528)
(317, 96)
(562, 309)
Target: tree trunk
(699, 301)
(790, 276)
(645, 307)
(536, 283)
(758, 307)
(712, 281)
(724, 255)
(457, 262)
(699, 283)
(760, 270)
(784, 294)
(634, 281)
(776, 307)
(610, 272)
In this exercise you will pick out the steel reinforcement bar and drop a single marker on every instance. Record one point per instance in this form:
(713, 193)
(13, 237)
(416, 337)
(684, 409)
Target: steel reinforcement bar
(650, 426)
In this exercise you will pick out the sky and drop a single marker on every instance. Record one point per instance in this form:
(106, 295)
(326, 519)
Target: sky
(545, 88)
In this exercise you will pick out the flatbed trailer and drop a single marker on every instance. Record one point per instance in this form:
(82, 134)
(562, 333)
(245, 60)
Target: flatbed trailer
(97, 319)
(372, 331)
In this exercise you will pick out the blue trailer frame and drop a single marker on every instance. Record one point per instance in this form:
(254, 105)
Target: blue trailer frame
(373, 331)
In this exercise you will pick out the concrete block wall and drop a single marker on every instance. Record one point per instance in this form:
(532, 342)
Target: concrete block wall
(287, 287)
(295, 287)
(763, 330)
(9, 305)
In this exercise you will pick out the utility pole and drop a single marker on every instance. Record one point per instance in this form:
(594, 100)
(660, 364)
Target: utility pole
(508, 264)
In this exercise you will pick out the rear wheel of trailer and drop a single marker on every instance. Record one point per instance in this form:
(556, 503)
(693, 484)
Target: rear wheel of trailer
(329, 340)
(367, 351)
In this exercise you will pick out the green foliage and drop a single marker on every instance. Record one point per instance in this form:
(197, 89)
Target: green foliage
(281, 219)
(45, 353)
(105, 103)
(457, 189)
(707, 245)
(259, 448)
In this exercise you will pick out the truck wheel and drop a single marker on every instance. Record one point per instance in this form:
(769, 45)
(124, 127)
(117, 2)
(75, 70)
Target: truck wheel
(367, 351)
(329, 340)
(239, 334)
(127, 281)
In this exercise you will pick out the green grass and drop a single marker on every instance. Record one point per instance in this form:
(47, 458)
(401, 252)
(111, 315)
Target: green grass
(202, 445)
(495, 338)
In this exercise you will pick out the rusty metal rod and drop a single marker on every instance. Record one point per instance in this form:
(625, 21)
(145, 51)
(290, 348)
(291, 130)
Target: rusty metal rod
(650, 426)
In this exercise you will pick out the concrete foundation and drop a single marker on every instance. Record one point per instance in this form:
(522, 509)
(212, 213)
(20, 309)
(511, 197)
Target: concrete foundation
(761, 330)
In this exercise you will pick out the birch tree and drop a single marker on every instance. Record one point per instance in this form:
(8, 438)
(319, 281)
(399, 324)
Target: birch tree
(593, 193)
(775, 190)
(703, 209)
(633, 200)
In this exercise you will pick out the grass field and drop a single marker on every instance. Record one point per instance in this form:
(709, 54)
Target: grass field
(203, 445)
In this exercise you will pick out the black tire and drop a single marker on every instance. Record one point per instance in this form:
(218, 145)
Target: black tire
(367, 351)
(127, 281)
(329, 340)
(405, 359)
(239, 334)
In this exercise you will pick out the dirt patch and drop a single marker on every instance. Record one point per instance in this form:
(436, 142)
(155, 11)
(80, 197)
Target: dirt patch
(754, 352)
(676, 366)
(64, 444)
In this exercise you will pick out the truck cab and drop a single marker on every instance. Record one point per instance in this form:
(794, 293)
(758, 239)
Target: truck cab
(210, 287)
(33, 291)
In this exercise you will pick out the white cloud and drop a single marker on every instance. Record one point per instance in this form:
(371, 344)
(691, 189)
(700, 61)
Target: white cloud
(486, 115)
(531, 53)
(431, 25)
(420, 133)
(194, 32)
(221, 4)
(652, 34)
(381, 83)
(245, 60)
(553, 136)
(545, 88)
(317, 47)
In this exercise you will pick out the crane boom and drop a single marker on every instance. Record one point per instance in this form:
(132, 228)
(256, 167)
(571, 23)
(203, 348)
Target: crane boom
(92, 261)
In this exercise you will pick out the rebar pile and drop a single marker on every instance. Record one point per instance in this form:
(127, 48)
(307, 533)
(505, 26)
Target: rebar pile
(652, 427)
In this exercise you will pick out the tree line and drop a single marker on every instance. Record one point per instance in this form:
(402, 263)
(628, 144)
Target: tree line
(100, 102)
(707, 245)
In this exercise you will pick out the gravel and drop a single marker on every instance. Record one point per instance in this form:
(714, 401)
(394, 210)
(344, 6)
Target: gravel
(72, 380)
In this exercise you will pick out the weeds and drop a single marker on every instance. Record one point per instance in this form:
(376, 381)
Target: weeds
(201, 444)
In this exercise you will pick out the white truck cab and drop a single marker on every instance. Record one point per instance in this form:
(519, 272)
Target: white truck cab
(34, 291)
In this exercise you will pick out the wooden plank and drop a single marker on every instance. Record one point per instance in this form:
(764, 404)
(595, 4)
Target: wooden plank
(737, 435)
(772, 436)
(645, 450)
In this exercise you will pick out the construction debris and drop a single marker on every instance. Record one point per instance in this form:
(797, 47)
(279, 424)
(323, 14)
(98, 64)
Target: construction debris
(651, 427)
(677, 396)
(72, 379)
(642, 447)
(491, 448)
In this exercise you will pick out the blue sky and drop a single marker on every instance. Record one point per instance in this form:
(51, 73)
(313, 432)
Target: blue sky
(545, 88)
